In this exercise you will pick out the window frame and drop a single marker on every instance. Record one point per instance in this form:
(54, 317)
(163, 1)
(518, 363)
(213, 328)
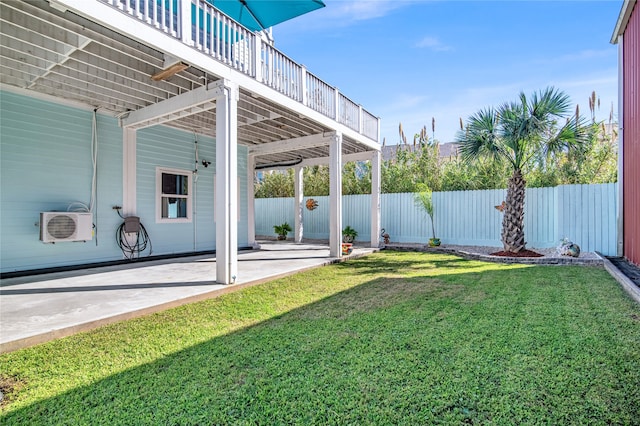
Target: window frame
(160, 195)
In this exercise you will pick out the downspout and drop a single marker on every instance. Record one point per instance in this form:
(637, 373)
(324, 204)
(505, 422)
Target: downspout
(195, 194)
(93, 204)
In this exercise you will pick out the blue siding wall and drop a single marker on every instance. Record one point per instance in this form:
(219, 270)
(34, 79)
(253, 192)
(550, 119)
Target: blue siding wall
(243, 227)
(46, 166)
(160, 146)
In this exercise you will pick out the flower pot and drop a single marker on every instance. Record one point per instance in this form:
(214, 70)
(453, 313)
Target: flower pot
(434, 242)
(347, 238)
(347, 248)
(282, 237)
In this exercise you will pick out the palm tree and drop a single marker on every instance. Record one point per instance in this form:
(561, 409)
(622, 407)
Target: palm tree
(518, 132)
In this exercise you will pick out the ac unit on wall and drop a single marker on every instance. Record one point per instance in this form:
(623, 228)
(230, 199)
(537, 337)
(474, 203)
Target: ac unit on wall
(65, 226)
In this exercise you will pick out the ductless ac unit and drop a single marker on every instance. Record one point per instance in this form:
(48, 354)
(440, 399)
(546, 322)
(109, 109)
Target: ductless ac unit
(65, 226)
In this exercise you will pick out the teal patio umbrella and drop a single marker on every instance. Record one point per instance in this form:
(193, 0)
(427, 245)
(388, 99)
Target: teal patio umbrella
(257, 15)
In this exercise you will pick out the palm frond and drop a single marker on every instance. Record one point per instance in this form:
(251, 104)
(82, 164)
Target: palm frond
(551, 102)
(523, 129)
(481, 136)
(573, 135)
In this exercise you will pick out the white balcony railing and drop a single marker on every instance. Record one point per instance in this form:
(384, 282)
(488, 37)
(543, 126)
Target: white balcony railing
(198, 24)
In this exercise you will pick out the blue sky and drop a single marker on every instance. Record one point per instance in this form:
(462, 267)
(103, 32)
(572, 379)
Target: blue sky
(409, 61)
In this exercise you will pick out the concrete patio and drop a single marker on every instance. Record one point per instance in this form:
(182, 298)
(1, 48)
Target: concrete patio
(39, 308)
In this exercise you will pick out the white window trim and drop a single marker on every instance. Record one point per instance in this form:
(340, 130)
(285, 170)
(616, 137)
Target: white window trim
(189, 197)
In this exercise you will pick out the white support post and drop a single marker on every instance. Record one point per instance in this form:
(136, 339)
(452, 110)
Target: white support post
(226, 207)
(185, 22)
(299, 194)
(129, 207)
(375, 198)
(335, 196)
(251, 206)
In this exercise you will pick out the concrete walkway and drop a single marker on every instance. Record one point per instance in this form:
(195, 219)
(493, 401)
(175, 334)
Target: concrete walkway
(36, 309)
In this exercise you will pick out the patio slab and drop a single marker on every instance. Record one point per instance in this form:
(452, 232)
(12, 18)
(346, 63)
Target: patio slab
(36, 309)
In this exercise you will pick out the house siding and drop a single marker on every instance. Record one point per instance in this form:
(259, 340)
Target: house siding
(46, 166)
(631, 135)
(161, 146)
(45, 159)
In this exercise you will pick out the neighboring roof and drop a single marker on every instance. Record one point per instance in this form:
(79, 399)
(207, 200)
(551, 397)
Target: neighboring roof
(623, 19)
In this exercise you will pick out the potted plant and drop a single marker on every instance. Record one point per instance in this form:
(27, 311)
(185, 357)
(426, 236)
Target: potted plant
(349, 235)
(424, 200)
(282, 230)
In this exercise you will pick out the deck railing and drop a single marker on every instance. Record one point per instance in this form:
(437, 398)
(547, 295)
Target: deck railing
(198, 24)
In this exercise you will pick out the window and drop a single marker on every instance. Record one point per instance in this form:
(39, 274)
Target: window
(173, 200)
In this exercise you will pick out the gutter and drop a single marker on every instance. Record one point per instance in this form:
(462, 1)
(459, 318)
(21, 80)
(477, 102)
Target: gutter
(623, 20)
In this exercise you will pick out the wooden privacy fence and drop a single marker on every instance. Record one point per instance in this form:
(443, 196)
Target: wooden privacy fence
(586, 214)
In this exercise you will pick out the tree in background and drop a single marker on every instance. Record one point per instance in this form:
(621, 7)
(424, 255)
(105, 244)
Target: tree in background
(412, 165)
(316, 180)
(274, 184)
(484, 173)
(356, 179)
(594, 162)
(517, 133)
(420, 164)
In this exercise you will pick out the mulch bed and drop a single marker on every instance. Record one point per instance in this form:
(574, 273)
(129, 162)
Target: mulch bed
(521, 253)
(627, 268)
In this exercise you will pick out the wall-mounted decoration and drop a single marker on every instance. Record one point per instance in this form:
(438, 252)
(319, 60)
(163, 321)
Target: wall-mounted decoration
(312, 204)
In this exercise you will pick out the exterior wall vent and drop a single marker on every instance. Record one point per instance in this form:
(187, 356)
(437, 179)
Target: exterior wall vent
(65, 226)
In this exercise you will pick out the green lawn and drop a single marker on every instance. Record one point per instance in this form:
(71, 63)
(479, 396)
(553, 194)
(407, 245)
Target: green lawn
(392, 338)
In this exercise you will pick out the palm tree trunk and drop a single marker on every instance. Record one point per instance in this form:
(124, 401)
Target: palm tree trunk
(513, 220)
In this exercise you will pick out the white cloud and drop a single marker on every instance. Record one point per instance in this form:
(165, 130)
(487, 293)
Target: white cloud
(402, 102)
(448, 106)
(364, 10)
(343, 13)
(589, 54)
(581, 56)
(434, 44)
